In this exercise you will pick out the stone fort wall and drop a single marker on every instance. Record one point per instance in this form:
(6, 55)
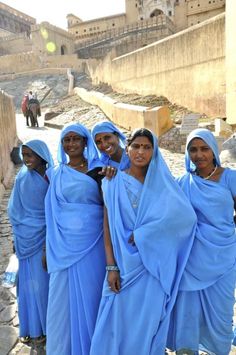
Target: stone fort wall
(8, 138)
(187, 67)
(27, 62)
(18, 43)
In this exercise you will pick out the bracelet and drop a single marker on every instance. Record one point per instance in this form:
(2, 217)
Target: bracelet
(112, 268)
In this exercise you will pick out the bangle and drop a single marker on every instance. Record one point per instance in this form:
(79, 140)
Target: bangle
(112, 268)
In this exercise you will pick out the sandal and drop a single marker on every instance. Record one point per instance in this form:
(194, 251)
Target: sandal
(25, 340)
(40, 340)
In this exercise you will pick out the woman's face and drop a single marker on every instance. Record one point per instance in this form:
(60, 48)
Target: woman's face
(201, 154)
(73, 144)
(140, 152)
(31, 159)
(107, 143)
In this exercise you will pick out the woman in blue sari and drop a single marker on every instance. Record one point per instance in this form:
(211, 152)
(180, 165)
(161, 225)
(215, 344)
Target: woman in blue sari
(74, 248)
(148, 229)
(202, 317)
(110, 142)
(27, 216)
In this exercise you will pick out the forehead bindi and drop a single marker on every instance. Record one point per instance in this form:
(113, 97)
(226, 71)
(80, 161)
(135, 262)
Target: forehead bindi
(72, 134)
(141, 140)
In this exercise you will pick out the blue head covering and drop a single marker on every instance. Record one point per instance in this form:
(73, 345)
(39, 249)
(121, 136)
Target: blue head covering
(109, 127)
(209, 139)
(90, 151)
(156, 223)
(41, 149)
(163, 226)
(26, 204)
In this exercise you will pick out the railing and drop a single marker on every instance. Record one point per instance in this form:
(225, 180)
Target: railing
(141, 26)
(14, 36)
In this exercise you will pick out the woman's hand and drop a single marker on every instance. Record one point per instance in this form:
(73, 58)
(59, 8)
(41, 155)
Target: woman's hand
(108, 171)
(113, 279)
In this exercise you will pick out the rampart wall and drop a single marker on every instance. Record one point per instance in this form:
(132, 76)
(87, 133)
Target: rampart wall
(26, 62)
(17, 43)
(8, 138)
(230, 62)
(188, 68)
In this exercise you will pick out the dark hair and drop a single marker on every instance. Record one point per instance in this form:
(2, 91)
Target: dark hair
(116, 134)
(140, 132)
(44, 162)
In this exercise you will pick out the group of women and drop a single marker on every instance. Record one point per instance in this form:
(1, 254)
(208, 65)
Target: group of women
(136, 261)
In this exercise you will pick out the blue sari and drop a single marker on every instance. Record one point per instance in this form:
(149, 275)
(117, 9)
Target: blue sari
(75, 254)
(136, 320)
(209, 279)
(109, 127)
(27, 216)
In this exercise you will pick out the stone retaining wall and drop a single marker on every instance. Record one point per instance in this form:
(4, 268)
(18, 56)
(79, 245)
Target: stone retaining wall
(8, 139)
(188, 68)
(173, 140)
(29, 61)
(128, 116)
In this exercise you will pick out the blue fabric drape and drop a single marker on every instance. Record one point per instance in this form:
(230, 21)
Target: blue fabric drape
(211, 265)
(26, 205)
(72, 202)
(109, 127)
(75, 253)
(27, 216)
(90, 151)
(163, 226)
(210, 140)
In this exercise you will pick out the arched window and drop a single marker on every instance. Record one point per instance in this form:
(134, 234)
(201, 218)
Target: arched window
(63, 50)
(156, 12)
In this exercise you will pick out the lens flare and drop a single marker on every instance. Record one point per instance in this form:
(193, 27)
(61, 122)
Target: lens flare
(51, 47)
(44, 33)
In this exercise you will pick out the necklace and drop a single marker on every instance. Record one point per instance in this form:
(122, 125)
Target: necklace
(79, 165)
(134, 198)
(210, 175)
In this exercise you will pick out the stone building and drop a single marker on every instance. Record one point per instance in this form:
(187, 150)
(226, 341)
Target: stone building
(50, 40)
(192, 12)
(83, 30)
(13, 21)
(183, 13)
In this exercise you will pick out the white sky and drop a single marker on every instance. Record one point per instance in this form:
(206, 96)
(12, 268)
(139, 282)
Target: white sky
(55, 11)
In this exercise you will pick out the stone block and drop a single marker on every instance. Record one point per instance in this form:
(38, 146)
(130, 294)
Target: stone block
(222, 128)
(49, 115)
(230, 143)
(8, 337)
(8, 313)
(129, 116)
(158, 120)
(189, 123)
